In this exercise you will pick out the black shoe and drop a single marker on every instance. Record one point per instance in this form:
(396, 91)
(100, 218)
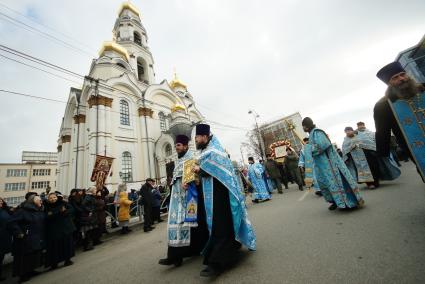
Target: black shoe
(168, 261)
(68, 263)
(25, 278)
(318, 193)
(160, 220)
(147, 230)
(2, 278)
(300, 188)
(280, 192)
(209, 271)
(53, 267)
(88, 248)
(333, 206)
(99, 242)
(255, 201)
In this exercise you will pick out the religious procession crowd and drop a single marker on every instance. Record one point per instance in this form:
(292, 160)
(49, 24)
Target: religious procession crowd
(207, 213)
(45, 230)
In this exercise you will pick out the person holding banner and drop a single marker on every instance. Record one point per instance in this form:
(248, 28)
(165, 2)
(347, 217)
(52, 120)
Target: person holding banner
(187, 229)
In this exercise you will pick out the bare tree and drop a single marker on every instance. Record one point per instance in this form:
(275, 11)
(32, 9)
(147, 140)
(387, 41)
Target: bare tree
(252, 146)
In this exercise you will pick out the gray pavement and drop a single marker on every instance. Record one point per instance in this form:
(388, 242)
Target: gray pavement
(298, 241)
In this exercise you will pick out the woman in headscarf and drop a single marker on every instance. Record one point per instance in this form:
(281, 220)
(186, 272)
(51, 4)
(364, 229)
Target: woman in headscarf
(59, 231)
(28, 226)
(5, 236)
(101, 216)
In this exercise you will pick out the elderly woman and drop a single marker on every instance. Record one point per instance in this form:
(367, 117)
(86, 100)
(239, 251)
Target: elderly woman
(88, 218)
(5, 236)
(59, 231)
(28, 226)
(124, 211)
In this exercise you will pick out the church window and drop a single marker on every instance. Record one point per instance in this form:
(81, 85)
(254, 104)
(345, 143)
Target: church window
(124, 113)
(168, 150)
(127, 167)
(137, 38)
(162, 121)
(140, 70)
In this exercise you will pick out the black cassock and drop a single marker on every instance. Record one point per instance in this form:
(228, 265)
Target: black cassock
(221, 249)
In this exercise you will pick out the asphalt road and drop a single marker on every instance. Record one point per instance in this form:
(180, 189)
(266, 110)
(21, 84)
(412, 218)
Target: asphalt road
(298, 241)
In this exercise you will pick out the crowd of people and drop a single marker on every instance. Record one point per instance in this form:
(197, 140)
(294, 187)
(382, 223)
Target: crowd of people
(44, 231)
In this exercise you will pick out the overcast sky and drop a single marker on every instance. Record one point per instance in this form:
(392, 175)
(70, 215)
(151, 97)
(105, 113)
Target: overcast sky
(277, 57)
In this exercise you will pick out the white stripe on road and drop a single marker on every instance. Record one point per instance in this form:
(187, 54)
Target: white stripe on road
(304, 195)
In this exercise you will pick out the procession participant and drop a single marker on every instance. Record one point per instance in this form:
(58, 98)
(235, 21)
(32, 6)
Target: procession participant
(226, 214)
(255, 176)
(336, 183)
(183, 240)
(401, 111)
(356, 161)
(301, 165)
(272, 169)
(291, 162)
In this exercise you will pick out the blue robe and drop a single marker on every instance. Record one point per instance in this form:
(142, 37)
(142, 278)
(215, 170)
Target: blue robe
(388, 169)
(178, 231)
(255, 176)
(335, 180)
(357, 164)
(301, 163)
(215, 162)
(410, 116)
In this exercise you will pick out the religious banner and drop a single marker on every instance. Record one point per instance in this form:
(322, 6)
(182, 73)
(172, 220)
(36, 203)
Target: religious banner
(101, 169)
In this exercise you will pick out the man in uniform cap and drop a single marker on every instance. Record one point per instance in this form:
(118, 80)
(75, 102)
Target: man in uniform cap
(401, 111)
(226, 214)
(184, 240)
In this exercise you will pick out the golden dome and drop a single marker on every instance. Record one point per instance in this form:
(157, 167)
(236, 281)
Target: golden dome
(129, 6)
(113, 46)
(178, 107)
(177, 83)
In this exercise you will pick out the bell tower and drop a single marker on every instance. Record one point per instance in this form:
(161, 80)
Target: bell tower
(130, 33)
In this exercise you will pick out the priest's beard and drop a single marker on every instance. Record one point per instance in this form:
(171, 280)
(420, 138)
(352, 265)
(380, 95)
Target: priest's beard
(181, 154)
(201, 145)
(406, 90)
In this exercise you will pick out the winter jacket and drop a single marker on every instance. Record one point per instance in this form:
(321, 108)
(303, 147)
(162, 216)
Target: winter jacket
(124, 211)
(5, 235)
(29, 222)
(156, 197)
(88, 211)
(58, 220)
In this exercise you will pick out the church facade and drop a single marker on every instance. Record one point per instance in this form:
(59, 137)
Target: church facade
(121, 112)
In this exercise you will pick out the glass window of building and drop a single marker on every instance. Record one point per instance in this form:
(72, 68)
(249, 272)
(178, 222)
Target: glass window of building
(162, 121)
(127, 167)
(124, 113)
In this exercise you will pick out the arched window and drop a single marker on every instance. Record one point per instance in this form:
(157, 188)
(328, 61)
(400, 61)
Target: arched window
(127, 167)
(137, 38)
(140, 70)
(168, 150)
(124, 113)
(162, 121)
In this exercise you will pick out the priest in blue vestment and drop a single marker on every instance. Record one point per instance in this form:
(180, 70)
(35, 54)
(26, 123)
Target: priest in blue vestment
(301, 164)
(354, 152)
(184, 238)
(225, 209)
(402, 112)
(256, 177)
(338, 186)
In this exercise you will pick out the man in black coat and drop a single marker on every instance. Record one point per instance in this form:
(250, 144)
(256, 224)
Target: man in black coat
(28, 227)
(147, 200)
(400, 86)
(5, 236)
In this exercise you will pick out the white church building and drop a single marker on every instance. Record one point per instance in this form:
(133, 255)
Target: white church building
(121, 112)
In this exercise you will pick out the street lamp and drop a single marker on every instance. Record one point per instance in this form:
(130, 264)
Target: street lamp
(260, 140)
